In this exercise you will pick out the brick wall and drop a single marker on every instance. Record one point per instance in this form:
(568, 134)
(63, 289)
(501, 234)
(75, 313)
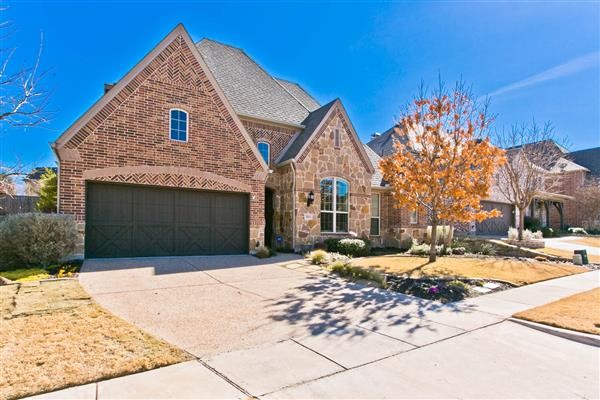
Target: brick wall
(277, 136)
(133, 131)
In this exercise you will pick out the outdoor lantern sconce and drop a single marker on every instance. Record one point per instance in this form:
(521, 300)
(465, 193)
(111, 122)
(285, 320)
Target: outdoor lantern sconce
(310, 199)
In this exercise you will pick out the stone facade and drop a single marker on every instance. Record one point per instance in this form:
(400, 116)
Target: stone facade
(130, 136)
(322, 159)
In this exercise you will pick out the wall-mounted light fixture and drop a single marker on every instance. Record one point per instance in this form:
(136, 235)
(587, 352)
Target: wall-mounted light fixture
(310, 199)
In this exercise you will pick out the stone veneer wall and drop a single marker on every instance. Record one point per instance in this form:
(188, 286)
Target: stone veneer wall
(324, 160)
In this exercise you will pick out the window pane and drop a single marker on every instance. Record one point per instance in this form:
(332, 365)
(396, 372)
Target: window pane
(341, 196)
(341, 222)
(263, 149)
(375, 205)
(326, 222)
(327, 195)
(182, 135)
(375, 226)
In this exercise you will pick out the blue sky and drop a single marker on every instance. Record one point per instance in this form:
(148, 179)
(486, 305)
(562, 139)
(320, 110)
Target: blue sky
(540, 60)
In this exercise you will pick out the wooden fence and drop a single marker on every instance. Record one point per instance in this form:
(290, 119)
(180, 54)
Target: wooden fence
(17, 204)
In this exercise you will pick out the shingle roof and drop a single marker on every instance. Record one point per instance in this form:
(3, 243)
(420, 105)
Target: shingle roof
(250, 89)
(300, 94)
(311, 123)
(588, 158)
(383, 144)
(377, 178)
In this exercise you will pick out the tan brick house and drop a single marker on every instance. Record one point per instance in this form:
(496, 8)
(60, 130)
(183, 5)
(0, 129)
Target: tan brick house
(198, 150)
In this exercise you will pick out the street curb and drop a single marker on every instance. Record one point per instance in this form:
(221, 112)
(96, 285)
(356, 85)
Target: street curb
(584, 338)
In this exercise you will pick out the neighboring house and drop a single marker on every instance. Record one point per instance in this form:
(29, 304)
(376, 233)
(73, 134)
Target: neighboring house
(557, 208)
(33, 180)
(199, 150)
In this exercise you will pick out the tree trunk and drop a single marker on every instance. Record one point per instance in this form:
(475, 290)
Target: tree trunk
(432, 252)
(521, 222)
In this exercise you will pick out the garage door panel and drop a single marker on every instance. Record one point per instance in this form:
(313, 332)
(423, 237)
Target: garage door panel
(135, 221)
(193, 240)
(498, 225)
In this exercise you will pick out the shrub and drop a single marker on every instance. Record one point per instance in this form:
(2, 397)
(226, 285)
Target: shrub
(456, 290)
(458, 250)
(48, 192)
(547, 232)
(513, 234)
(578, 230)
(353, 247)
(262, 252)
(533, 224)
(318, 257)
(483, 248)
(331, 245)
(346, 270)
(423, 250)
(36, 239)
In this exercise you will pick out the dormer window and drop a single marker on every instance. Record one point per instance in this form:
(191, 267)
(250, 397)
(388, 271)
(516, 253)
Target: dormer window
(264, 149)
(178, 125)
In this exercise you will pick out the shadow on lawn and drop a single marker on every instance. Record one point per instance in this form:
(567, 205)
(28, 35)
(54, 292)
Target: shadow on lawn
(334, 306)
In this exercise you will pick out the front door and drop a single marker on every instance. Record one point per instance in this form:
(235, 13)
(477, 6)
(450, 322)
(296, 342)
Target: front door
(269, 211)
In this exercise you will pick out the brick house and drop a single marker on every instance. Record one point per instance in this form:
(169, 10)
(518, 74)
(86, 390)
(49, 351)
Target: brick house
(199, 150)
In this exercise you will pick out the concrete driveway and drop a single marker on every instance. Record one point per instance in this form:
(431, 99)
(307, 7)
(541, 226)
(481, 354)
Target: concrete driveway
(282, 329)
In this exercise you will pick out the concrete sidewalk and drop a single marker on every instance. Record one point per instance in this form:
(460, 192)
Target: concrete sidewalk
(361, 342)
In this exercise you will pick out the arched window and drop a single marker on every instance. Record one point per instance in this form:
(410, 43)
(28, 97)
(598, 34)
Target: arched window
(264, 149)
(334, 205)
(179, 125)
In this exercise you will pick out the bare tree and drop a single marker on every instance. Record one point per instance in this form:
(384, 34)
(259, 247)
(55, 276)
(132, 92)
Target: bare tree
(588, 200)
(532, 152)
(23, 103)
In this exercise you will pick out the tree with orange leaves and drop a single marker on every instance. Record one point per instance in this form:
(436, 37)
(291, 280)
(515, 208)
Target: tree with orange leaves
(444, 162)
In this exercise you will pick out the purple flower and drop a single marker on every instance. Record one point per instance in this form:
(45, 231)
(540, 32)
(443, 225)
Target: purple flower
(434, 290)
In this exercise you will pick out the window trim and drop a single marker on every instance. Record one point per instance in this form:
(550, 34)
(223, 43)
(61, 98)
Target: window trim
(378, 217)
(337, 140)
(414, 221)
(187, 125)
(334, 211)
(268, 160)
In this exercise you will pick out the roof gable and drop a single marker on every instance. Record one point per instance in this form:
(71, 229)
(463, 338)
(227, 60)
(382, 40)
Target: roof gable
(252, 91)
(314, 125)
(155, 59)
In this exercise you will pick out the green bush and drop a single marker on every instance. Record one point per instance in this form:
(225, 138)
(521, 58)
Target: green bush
(353, 247)
(36, 239)
(483, 248)
(533, 224)
(547, 232)
(331, 245)
(48, 192)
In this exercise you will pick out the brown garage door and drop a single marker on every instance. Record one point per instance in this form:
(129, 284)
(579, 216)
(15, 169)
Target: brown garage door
(496, 226)
(138, 221)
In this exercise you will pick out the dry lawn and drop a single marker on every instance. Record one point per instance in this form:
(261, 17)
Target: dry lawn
(567, 254)
(52, 335)
(587, 241)
(513, 271)
(579, 312)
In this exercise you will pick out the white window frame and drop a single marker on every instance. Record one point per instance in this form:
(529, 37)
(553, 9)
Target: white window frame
(334, 205)
(414, 217)
(378, 212)
(268, 160)
(187, 125)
